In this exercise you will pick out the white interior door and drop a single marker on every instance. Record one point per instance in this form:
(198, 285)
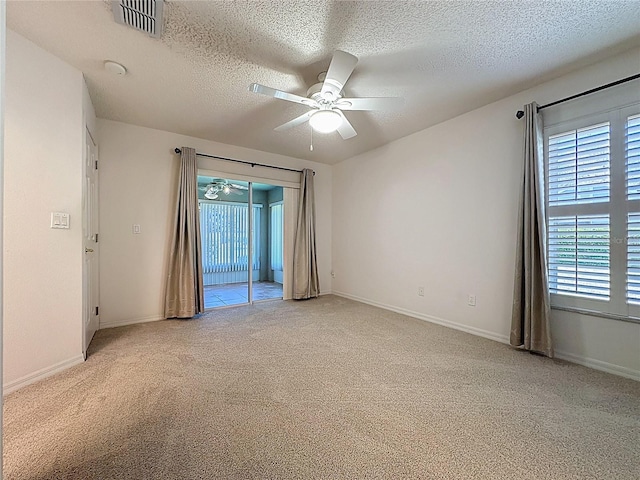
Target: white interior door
(91, 272)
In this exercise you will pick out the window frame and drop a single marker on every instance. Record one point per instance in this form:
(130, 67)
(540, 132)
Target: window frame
(618, 208)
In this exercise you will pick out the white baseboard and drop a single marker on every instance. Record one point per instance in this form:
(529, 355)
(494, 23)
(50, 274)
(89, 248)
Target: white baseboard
(429, 318)
(580, 360)
(41, 374)
(599, 365)
(129, 321)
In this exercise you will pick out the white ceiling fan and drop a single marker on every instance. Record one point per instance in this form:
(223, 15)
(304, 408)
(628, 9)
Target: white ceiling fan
(219, 185)
(326, 101)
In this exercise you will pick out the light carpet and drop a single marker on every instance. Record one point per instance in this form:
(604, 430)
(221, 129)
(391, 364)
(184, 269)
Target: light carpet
(327, 388)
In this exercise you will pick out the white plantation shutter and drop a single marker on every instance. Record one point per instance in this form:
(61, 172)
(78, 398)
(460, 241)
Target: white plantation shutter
(578, 166)
(593, 212)
(633, 258)
(632, 154)
(579, 256)
(578, 184)
(632, 170)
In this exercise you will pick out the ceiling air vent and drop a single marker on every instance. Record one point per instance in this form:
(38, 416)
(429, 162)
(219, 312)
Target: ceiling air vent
(144, 15)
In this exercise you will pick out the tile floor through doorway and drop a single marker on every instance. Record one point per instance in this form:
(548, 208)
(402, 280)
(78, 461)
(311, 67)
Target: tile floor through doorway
(237, 293)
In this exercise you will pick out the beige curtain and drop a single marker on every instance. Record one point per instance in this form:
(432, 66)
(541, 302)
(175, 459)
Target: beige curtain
(305, 265)
(184, 291)
(530, 324)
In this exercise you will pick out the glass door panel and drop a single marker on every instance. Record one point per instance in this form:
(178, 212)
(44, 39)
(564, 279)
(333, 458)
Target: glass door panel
(267, 242)
(225, 233)
(242, 248)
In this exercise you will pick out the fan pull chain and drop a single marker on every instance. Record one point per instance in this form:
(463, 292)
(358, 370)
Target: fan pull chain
(311, 146)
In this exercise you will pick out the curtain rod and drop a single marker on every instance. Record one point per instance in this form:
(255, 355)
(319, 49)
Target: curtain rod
(520, 113)
(253, 164)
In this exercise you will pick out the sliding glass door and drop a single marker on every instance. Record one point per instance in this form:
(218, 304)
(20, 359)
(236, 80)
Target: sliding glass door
(238, 241)
(267, 282)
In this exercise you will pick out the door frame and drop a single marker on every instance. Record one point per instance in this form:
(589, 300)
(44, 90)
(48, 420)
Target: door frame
(290, 193)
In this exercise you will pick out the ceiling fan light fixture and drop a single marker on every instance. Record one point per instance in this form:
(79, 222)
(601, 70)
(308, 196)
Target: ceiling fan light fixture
(211, 195)
(325, 121)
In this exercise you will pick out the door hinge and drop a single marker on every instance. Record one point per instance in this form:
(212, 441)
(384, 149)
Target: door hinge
(96, 238)
(96, 164)
(97, 310)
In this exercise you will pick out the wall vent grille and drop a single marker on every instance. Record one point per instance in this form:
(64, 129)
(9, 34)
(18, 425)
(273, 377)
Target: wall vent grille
(143, 15)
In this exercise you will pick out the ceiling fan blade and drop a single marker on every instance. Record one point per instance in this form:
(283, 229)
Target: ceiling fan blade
(238, 187)
(290, 97)
(235, 191)
(340, 69)
(380, 103)
(295, 122)
(345, 129)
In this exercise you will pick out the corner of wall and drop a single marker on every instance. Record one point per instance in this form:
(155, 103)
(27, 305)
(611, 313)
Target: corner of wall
(451, 227)
(43, 146)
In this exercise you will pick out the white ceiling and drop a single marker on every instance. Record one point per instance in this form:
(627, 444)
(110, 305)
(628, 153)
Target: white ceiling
(443, 57)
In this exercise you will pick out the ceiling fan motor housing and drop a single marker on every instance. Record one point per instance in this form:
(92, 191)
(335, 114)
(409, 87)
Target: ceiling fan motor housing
(315, 93)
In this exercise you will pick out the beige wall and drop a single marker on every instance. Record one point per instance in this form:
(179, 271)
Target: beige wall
(439, 209)
(138, 175)
(43, 174)
(3, 12)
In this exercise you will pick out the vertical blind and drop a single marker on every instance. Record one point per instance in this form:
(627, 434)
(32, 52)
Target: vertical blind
(277, 233)
(225, 237)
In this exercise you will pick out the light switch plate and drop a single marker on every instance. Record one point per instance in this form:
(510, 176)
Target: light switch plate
(60, 220)
(136, 228)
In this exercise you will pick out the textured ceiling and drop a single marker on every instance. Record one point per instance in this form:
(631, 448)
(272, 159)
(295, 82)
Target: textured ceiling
(443, 57)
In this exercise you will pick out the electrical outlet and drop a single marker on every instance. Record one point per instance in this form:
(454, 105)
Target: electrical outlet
(421, 291)
(471, 301)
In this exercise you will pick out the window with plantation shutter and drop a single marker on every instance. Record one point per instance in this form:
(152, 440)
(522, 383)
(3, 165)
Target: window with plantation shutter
(579, 256)
(592, 167)
(632, 153)
(633, 258)
(632, 164)
(579, 166)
